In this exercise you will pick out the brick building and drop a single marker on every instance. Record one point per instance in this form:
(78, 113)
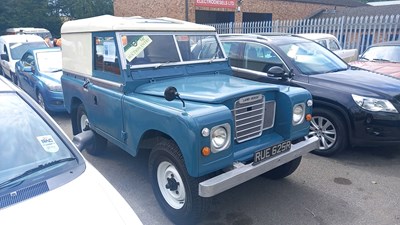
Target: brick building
(222, 11)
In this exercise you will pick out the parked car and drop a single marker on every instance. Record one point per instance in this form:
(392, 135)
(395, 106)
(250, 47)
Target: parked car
(38, 73)
(155, 85)
(381, 58)
(44, 179)
(332, 43)
(351, 106)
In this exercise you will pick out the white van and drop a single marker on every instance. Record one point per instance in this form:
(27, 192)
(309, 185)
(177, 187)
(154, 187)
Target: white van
(42, 32)
(12, 47)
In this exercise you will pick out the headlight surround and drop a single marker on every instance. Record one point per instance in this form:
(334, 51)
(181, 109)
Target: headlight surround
(220, 137)
(298, 113)
(374, 104)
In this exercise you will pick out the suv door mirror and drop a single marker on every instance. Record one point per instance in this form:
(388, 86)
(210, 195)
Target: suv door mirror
(27, 69)
(5, 57)
(276, 71)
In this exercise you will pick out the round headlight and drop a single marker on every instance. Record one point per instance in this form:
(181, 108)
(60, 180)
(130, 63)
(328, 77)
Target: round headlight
(298, 114)
(219, 137)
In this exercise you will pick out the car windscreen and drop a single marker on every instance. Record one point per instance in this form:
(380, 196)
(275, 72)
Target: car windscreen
(27, 141)
(163, 49)
(382, 53)
(49, 62)
(18, 49)
(311, 58)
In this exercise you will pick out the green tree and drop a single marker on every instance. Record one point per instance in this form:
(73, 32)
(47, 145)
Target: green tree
(49, 14)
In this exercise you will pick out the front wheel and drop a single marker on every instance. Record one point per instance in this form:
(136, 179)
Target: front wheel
(331, 131)
(175, 190)
(82, 123)
(283, 170)
(40, 100)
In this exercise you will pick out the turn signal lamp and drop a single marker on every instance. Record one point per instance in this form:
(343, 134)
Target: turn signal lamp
(308, 117)
(206, 151)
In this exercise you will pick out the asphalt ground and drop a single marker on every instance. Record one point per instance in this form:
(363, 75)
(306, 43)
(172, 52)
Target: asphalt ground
(358, 186)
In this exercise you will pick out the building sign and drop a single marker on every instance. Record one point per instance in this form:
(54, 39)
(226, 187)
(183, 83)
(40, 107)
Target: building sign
(230, 4)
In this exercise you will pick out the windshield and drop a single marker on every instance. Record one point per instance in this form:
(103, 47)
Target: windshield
(49, 61)
(385, 53)
(164, 49)
(311, 58)
(18, 49)
(26, 141)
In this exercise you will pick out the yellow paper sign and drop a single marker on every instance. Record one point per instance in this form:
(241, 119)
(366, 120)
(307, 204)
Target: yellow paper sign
(136, 47)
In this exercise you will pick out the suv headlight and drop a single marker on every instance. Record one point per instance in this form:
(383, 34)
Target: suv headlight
(220, 137)
(374, 104)
(298, 113)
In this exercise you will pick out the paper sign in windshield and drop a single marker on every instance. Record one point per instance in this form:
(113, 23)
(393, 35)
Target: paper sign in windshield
(109, 51)
(135, 47)
(48, 143)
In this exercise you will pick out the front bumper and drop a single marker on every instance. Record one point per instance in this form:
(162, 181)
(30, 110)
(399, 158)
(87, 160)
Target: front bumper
(244, 172)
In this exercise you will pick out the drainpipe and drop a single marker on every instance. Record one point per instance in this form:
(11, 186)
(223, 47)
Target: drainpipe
(187, 10)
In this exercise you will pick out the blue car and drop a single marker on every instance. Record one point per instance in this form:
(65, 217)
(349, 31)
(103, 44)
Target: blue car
(38, 73)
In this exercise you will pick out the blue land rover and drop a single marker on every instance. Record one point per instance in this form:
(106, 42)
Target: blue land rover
(154, 85)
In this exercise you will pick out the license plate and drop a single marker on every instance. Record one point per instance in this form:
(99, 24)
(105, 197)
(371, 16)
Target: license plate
(272, 151)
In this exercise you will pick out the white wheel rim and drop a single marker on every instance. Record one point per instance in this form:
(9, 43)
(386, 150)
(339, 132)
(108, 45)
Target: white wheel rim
(324, 129)
(175, 196)
(84, 121)
(41, 100)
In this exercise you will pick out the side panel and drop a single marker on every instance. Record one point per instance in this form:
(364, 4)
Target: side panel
(77, 53)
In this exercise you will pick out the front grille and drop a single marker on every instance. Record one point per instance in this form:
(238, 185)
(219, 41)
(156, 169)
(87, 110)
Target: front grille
(249, 117)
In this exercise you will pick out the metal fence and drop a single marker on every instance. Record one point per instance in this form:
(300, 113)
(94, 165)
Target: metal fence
(352, 32)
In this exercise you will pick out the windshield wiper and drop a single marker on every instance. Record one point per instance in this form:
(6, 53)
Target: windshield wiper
(56, 70)
(34, 170)
(382, 60)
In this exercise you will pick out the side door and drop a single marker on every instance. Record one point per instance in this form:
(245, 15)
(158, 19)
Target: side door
(5, 61)
(26, 78)
(104, 106)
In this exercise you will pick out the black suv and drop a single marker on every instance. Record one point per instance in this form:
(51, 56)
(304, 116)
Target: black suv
(351, 106)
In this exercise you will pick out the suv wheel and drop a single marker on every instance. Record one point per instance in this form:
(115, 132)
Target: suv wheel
(331, 131)
(82, 122)
(175, 190)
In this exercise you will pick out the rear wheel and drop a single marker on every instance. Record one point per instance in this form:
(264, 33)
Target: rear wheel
(175, 190)
(283, 170)
(82, 123)
(331, 131)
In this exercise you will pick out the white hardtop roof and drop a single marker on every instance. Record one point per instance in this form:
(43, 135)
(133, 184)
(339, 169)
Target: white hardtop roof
(136, 23)
(316, 36)
(14, 38)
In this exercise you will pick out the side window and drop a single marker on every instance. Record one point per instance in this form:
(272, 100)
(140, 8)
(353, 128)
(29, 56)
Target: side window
(232, 50)
(333, 45)
(260, 58)
(323, 43)
(105, 57)
(27, 60)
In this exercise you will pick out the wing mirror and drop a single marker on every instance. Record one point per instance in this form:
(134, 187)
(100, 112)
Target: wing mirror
(5, 57)
(277, 71)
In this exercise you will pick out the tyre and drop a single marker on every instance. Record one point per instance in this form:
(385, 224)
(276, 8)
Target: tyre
(331, 131)
(99, 144)
(40, 100)
(175, 190)
(283, 170)
(14, 78)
